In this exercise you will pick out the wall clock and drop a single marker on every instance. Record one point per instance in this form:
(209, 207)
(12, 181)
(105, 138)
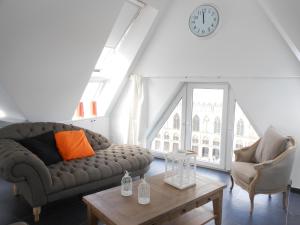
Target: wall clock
(204, 20)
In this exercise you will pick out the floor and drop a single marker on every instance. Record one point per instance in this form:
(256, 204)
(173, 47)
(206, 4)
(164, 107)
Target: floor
(235, 206)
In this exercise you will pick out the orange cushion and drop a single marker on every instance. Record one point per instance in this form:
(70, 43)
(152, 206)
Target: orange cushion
(73, 144)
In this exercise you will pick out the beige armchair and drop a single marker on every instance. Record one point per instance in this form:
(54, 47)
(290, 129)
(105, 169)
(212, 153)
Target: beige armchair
(259, 170)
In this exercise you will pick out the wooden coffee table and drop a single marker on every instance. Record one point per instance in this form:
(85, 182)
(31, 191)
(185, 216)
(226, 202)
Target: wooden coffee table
(168, 206)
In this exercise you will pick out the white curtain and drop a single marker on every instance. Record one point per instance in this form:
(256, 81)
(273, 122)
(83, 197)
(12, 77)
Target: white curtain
(135, 110)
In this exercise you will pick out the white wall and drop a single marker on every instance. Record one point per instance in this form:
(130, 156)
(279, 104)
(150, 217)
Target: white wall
(246, 44)
(48, 51)
(9, 112)
(247, 52)
(99, 125)
(119, 118)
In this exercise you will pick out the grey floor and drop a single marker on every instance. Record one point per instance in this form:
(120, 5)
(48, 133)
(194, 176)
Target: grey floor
(235, 206)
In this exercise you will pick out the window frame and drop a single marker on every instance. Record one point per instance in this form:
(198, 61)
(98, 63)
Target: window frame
(98, 68)
(224, 124)
(227, 124)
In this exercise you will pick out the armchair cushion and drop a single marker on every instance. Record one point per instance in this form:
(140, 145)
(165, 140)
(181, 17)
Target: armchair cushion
(244, 171)
(270, 146)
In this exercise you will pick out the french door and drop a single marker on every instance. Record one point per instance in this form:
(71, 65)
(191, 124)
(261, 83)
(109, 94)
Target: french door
(197, 120)
(206, 122)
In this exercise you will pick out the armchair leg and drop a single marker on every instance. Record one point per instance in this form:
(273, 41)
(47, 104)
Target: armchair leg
(232, 183)
(36, 214)
(251, 196)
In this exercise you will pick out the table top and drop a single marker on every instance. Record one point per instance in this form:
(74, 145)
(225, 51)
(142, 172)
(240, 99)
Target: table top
(164, 198)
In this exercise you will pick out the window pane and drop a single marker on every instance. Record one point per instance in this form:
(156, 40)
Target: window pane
(170, 133)
(244, 133)
(157, 144)
(89, 100)
(91, 90)
(126, 16)
(207, 123)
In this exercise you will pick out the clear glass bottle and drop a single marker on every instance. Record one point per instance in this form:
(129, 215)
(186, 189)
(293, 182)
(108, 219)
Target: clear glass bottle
(144, 193)
(126, 185)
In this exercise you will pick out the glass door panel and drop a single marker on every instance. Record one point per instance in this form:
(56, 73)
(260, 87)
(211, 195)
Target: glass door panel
(207, 111)
(206, 124)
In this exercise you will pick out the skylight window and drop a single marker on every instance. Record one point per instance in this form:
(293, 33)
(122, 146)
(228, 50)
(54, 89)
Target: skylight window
(109, 58)
(88, 106)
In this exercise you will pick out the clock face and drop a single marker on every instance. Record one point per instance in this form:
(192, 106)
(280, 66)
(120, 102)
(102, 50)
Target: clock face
(204, 20)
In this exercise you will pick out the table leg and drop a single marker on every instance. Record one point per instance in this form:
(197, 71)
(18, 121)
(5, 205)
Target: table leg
(217, 204)
(92, 219)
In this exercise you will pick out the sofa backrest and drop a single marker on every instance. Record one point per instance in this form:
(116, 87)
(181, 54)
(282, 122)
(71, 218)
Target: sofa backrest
(20, 131)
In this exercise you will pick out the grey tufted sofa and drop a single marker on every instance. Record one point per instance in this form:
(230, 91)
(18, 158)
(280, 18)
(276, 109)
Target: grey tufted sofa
(40, 184)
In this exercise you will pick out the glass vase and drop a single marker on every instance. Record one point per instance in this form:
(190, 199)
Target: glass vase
(126, 185)
(144, 193)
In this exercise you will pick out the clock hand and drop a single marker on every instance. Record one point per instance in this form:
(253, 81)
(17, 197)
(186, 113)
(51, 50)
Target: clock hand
(203, 16)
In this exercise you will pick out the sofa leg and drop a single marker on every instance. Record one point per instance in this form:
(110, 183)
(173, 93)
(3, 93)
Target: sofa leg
(15, 190)
(36, 214)
(251, 196)
(270, 196)
(142, 176)
(232, 183)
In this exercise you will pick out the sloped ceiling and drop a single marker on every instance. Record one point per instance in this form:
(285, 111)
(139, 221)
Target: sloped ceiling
(285, 16)
(246, 44)
(48, 50)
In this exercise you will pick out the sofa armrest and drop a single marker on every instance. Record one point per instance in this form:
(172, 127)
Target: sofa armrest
(246, 154)
(18, 164)
(96, 140)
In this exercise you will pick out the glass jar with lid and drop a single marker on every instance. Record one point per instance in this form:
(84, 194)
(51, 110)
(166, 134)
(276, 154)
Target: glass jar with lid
(126, 185)
(144, 192)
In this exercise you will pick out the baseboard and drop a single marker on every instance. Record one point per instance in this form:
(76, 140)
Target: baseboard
(295, 190)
